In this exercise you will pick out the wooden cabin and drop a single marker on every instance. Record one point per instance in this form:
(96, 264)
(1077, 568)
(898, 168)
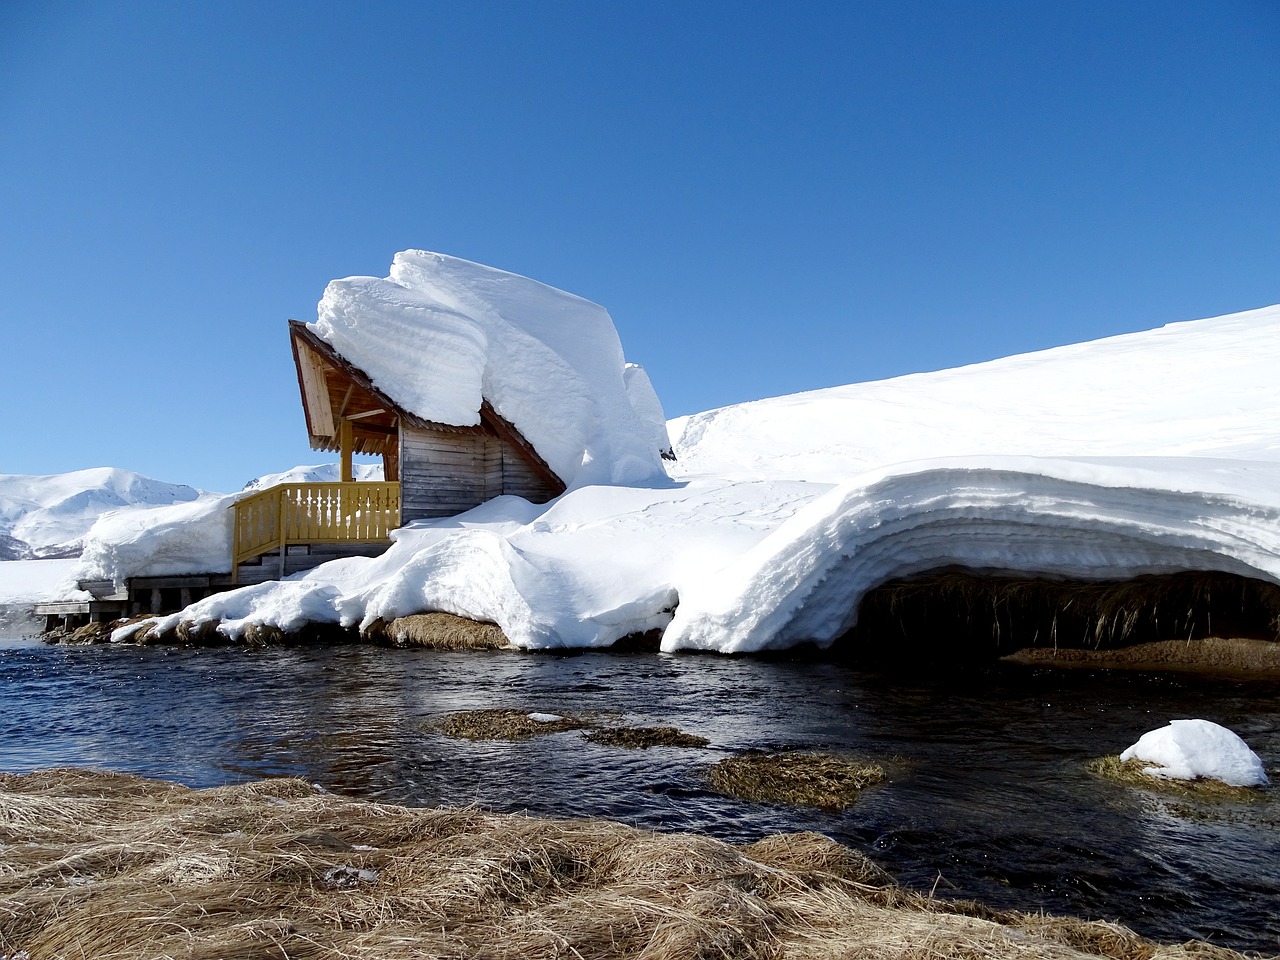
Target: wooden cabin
(430, 470)
(442, 469)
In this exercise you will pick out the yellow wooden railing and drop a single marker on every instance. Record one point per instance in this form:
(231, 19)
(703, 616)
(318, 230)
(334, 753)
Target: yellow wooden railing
(293, 513)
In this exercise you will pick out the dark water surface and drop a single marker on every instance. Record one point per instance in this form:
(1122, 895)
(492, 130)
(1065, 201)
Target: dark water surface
(988, 795)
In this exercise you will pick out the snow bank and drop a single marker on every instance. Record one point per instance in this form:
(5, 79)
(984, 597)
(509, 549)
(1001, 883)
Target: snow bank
(1145, 454)
(439, 335)
(594, 566)
(1101, 520)
(1203, 388)
(1189, 749)
(159, 541)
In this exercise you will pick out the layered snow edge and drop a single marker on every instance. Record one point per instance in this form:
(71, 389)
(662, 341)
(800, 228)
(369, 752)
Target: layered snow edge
(758, 565)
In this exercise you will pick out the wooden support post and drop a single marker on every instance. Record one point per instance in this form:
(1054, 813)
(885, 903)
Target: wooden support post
(156, 603)
(346, 440)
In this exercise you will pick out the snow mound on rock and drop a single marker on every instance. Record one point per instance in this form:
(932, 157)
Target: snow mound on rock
(1192, 749)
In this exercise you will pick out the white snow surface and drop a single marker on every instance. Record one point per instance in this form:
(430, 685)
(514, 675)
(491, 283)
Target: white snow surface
(191, 537)
(316, 473)
(1193, 749)
(439, 335)
(51, 514)
(1204, 388)
(1104, 461)
(28, 582)
(194, 537)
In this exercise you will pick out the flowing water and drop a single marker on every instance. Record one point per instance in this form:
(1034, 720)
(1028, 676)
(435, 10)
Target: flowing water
(988, 797)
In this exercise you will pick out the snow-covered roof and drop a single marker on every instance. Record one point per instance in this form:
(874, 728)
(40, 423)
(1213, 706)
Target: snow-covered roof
(441, 336)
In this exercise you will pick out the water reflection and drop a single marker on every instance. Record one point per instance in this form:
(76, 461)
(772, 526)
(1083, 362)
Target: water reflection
(988, 798)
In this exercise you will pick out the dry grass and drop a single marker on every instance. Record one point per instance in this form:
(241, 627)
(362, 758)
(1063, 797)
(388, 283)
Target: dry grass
(504, 725)
(796, 779)
(1207, 655)
(1132, 773)
(642, 738)
(116, 867)
(441, 631)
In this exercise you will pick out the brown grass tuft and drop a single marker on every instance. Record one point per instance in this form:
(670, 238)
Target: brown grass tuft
(504, 725)
(642, 738)
(796, 779)
(1133, 773)
(1206, 655)
(116, 867)
(443, 631)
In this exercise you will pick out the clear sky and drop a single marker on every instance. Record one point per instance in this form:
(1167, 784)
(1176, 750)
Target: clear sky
(768, 197)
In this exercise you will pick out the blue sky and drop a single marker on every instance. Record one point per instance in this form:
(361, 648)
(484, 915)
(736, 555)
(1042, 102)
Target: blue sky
(767, 197)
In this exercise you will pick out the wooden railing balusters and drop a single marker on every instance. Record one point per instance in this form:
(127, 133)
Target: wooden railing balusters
(295, 513)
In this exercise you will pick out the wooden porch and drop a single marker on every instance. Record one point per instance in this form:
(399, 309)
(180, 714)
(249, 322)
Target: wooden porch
(311, 520)
(277, 532)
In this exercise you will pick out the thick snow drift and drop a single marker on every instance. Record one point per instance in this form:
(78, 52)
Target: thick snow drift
(1149, 453)
(1204, 388)
(1190, 749)
(439, 335)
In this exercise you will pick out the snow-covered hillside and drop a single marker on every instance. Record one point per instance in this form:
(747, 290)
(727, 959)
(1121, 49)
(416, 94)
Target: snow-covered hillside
(1148, 453)
(1204, 388)
(48, 516)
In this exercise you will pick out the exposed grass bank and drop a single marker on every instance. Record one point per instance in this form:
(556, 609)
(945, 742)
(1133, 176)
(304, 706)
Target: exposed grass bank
(1133, 773)
(506, 724)
(502, 724)
(642, 738)
(958, 615)
(1230, 656)
(1205, 622)
(116, 867)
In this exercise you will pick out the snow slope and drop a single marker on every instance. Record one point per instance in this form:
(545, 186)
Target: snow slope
(1148, 453)
(49, 515)
(1204, 388)
(439, 335)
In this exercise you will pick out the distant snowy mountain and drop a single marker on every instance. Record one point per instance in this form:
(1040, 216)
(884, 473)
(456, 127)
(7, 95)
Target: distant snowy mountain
(44, 520)
(44, 517)
(319, 473)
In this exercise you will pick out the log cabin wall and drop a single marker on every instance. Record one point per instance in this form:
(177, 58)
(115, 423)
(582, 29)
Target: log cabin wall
(444, 472)
(518, 477)
(441, 472)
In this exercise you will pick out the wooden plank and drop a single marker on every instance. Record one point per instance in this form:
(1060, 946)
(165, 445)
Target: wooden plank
(315, 392)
